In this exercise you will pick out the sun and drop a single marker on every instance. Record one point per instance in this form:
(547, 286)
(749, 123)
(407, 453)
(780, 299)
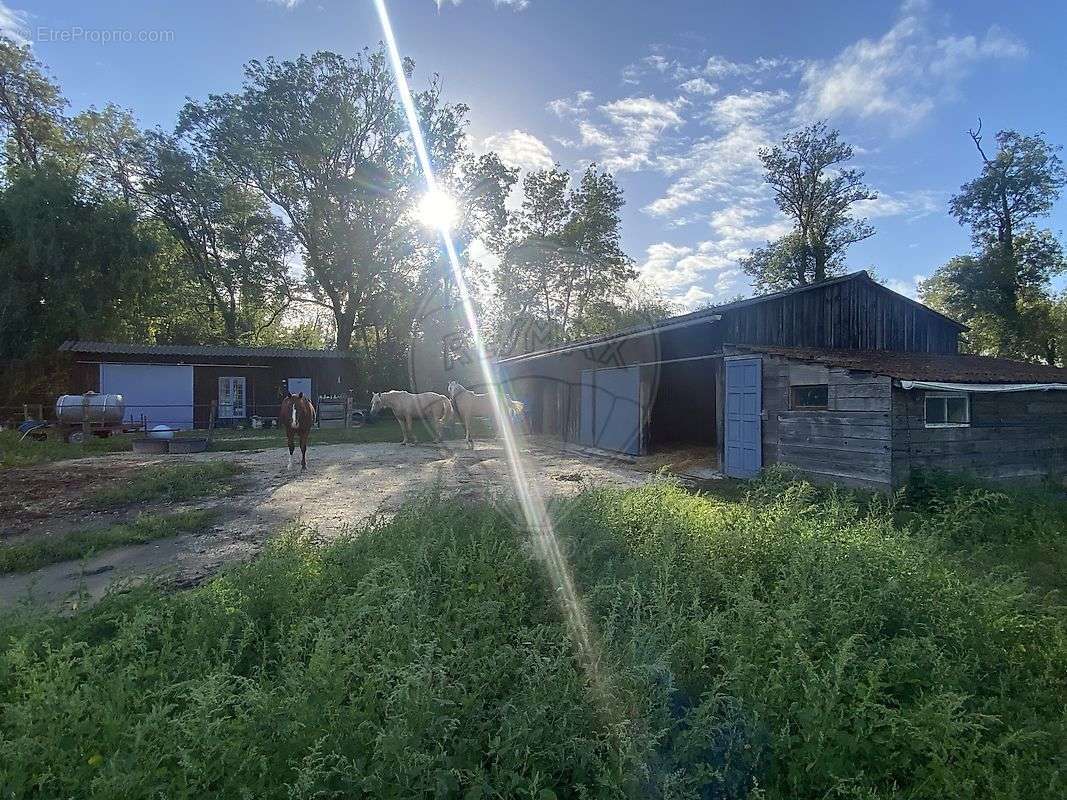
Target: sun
(437, 209)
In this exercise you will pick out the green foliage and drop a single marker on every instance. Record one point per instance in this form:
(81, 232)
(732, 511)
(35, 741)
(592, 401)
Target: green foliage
(18, 452)
(816, 192)
(1003, 291)
(169, 484)
(41, 550)
(565, 260)
(69, 267)
(795, 644)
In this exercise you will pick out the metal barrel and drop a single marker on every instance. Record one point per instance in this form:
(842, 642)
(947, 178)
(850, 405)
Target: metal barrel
(107, 409)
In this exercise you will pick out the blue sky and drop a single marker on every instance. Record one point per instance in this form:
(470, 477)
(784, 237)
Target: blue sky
(675, 97)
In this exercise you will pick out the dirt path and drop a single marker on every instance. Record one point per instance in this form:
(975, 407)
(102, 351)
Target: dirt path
(345, 484)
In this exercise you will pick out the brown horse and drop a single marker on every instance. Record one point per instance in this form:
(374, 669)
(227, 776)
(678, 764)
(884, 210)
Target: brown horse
(297, 415)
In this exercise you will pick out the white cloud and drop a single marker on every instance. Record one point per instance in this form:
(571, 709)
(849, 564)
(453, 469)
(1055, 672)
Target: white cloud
(902, 75)
(691, 276)
(13, 24)
(291, 4)
(517, 5)
(906, 288)
(719, 67)
(572, 106)
(520, 149)
(699, 86)
(633, 127)
(747, 106)
(911, 204)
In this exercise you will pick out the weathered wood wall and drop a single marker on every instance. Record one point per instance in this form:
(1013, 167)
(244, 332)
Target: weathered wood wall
(854, 314)
(849, 443)
(1016, 435)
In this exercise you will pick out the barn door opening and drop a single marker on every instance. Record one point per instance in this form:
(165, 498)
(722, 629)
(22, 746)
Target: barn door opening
(744, 407)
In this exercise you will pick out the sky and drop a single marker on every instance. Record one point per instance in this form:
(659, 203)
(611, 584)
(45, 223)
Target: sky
(674, 97)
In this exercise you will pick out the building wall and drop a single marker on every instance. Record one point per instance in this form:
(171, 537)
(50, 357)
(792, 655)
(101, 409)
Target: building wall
(848, 443)
(1016, 435)
(851, 315)
(264, 379)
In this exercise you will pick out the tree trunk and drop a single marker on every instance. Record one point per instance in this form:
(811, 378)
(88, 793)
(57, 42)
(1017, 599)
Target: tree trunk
(345, 320)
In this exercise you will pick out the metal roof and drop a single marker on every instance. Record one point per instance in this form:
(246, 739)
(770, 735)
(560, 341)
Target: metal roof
(117, 348)
(712, 313)
(923, 366)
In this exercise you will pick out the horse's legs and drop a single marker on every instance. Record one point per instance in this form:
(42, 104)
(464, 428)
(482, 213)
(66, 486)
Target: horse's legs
(304, 434)
(289, 438)
(467, 428)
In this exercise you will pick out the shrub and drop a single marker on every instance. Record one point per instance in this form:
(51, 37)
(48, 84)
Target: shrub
(798, 646)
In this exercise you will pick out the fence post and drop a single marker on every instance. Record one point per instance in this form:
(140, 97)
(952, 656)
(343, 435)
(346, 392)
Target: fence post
(348, 412)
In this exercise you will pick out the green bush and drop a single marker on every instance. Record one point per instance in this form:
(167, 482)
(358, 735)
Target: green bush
(801, 645)
(168, 484)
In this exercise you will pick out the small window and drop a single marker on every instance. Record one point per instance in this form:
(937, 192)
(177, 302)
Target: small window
(810, 398)
(947, 409)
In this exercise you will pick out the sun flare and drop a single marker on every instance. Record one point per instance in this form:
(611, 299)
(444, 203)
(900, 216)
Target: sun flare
(437, 210)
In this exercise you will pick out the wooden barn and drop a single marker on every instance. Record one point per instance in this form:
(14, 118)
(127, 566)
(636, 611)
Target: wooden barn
(845, 380)
(176, 385)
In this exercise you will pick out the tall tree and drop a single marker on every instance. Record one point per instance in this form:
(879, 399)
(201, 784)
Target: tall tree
(817, 193)
(324, 140)
(1003, 290)
(232, 245)
(31, 108)
(565, 254)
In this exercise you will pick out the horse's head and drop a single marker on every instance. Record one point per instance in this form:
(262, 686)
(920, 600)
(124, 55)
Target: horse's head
(453, 387)
(375, 402)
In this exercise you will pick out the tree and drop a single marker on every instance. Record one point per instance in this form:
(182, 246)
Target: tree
(323, 139)
(31, 108)
(70, 268)
(1003, 291)
(565, 253)
(817, 194)
(232, 245)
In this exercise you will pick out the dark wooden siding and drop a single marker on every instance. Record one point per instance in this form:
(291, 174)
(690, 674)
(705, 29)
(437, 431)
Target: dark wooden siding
(1014, 435)
(848, 443)
(851, 315)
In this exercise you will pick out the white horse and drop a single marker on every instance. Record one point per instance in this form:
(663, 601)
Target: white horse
(431, 406)
(470, 404)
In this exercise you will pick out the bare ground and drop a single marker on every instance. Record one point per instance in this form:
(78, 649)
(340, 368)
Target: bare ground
(345, 485)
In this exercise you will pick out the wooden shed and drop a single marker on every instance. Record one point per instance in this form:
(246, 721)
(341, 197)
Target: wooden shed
(832, 378)
(176, 385)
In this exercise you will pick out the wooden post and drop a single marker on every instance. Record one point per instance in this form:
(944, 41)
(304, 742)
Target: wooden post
(348, 412)
(211, 422)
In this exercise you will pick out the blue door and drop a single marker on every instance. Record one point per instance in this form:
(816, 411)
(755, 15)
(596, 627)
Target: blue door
(744, 405)
(610, 412)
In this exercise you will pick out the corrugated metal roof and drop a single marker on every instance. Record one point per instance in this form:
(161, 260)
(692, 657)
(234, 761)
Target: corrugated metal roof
(207, 351)
(923, 366)
(708, 314)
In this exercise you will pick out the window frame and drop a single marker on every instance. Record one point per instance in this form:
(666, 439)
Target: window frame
(946, 396)
(230, 381)
(793, 406)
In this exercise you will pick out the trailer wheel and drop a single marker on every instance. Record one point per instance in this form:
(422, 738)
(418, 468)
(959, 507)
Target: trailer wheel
(76, 437)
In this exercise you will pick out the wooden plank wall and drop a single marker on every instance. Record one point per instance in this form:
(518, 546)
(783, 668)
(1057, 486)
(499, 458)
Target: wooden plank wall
(1017, 435)
(849, 443)
(852, 315)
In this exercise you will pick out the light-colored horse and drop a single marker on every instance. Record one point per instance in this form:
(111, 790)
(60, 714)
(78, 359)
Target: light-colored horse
(431, 406)
(470, 405)
(297, 415)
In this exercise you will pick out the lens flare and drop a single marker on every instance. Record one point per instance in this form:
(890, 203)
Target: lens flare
(437, 210)
(527, 492)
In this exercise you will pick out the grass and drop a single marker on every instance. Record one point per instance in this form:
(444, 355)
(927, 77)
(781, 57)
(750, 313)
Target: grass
(28, 453)
(40, 551)
(168, 484)
(14, 453)
(793, 643)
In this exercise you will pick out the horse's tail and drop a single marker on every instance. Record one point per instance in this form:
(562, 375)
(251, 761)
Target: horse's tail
(448, 413)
